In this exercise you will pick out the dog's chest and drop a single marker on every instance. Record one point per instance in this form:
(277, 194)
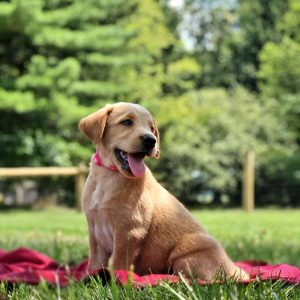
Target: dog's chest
(99, 211)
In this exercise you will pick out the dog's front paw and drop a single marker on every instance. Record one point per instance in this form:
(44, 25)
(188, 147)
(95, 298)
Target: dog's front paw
(92, 268)
(95, 266)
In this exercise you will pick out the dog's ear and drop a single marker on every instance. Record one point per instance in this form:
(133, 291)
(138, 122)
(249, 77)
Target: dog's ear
(156, 133)
(94, 124)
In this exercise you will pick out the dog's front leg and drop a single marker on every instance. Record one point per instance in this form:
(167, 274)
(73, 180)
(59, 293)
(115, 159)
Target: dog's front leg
(125, 251)
(98, 257)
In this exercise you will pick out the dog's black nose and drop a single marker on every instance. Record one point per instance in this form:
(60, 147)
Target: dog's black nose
(148, 141)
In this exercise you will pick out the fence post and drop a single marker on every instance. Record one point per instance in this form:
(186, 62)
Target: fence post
(79, 184)
(248, 182)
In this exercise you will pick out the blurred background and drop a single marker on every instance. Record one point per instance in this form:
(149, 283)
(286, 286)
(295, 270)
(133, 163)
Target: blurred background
(220, 77)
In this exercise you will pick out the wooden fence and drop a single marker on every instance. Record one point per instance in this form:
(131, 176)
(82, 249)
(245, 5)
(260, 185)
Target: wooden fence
(248, 182)
(80, 172)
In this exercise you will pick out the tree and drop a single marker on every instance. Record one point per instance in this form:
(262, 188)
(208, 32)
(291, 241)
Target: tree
(279, 71)
(280, 82)
(206, 135)
(61, 60)
(227, 41)
(280, 60)
(266, 14)
(207, 25)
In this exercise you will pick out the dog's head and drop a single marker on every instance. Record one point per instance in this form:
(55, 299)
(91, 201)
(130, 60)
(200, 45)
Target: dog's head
(126, 132)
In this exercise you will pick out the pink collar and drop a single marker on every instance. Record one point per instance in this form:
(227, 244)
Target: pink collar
(98, 161)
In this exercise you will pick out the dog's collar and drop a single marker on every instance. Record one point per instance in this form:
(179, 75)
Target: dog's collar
(98, 161)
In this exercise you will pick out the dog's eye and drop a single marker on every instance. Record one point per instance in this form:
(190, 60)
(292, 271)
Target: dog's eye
(127, 122)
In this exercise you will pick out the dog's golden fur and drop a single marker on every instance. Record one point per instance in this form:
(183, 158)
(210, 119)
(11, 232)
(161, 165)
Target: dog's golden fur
(135, 221)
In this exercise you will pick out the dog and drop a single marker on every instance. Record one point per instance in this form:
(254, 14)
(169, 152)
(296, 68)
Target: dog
(131, 218)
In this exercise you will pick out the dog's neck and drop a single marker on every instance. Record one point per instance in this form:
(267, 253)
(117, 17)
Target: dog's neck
(99, 162)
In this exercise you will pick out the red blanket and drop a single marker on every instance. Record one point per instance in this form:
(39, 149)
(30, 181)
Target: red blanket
(29, 266)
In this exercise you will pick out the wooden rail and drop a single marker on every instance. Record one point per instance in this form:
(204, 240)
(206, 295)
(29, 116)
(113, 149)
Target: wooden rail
(79, 172)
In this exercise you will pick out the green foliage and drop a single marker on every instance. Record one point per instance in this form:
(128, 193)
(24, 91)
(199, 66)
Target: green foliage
(267, 14)
(60, 60)
(280, 62)
(206, 135)
(151, 38)
(211, 33)
(280, 79)
(280, 68)
(290, 22)
(262, 56)
(228, 41)
(181, 75)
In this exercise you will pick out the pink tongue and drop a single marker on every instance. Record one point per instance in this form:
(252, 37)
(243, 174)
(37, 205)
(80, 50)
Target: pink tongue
(136, 165)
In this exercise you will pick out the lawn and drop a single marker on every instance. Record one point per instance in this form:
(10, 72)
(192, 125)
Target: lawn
(270, 235)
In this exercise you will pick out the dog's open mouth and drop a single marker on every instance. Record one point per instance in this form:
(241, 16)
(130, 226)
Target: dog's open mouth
(132, 163)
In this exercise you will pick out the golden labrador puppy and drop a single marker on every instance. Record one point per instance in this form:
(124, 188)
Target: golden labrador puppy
(130, 216)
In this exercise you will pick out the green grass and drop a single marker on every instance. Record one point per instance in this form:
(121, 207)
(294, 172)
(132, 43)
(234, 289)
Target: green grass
(271, 235)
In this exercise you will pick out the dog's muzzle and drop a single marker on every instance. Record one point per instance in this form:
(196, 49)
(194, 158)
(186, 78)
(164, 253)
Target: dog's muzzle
(133, 163)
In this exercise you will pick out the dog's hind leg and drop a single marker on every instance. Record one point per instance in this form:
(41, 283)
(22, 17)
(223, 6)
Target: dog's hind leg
(200, 256)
